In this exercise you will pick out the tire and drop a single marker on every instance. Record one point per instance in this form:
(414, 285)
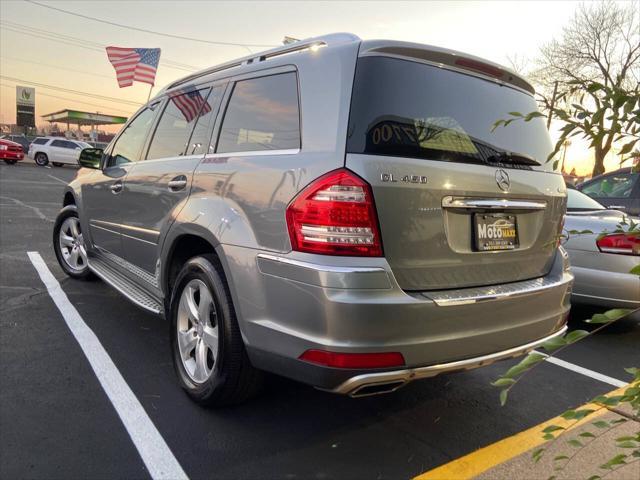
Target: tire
(41, 159)
(10, 162)
(57, 164)
(230, 379)
(69, 244)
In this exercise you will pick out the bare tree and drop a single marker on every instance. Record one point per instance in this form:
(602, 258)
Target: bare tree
(601, 44)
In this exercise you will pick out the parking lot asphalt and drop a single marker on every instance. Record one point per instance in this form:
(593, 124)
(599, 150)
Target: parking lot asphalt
(57, 422)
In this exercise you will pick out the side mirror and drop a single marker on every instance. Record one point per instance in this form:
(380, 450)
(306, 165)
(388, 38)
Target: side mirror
(90, 157)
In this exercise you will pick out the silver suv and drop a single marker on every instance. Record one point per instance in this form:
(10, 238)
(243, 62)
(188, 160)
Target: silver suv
(336, 211)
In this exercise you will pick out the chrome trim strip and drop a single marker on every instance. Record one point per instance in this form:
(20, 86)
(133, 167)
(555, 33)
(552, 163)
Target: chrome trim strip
(123, 226)
(320, 268)
(492, 203)
(102, 228)
(352, 385)
(468, 296)
(139, 239)
(253, 153)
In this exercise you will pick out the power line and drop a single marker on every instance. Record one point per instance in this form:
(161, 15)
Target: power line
(200, 40)
(68, 90)
(128, 112)
(66, 69)
(79, 42)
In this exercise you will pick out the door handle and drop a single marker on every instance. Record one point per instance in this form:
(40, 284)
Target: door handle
(116, 187)
(178, 183)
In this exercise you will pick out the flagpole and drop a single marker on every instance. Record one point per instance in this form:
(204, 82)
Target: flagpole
(149, 97)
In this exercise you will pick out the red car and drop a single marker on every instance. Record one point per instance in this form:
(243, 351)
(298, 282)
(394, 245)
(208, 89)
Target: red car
(10, 152)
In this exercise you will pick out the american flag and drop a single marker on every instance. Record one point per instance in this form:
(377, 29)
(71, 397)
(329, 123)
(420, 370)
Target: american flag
(189, 101)
(134, 64)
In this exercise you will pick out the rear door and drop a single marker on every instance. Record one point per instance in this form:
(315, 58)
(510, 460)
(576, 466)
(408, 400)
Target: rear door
(157, 187)
(62, 151)
(459, 204)
(102, 195)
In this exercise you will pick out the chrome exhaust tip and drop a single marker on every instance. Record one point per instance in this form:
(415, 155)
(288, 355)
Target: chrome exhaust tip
(370, 389)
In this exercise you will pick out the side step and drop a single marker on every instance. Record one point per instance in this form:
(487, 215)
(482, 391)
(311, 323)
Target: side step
(125, 286)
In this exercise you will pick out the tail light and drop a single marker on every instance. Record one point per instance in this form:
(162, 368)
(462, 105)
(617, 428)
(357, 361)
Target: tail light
(335, 215)
(623, 243)
(353, 360)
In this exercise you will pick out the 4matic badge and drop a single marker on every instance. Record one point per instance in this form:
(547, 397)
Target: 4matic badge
(390, 177)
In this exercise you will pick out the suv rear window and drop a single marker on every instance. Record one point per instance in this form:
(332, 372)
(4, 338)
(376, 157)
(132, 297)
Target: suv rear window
(410, 109)
(40, 141)
(262, 115)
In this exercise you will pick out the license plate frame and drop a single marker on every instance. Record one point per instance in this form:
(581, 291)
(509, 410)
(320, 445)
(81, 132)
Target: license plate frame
(495, 232)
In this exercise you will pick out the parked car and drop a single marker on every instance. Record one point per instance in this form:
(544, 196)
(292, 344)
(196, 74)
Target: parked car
(619, 190)
(58, 151)
(20, 139)
(10, 152)
(336, 211)
(601, 263)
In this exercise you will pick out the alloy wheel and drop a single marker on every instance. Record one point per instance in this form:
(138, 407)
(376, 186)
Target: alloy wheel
(72, 245)
(41, 159)
(197, 331)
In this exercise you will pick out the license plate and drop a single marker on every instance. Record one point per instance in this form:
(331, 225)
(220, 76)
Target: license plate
(495, 232)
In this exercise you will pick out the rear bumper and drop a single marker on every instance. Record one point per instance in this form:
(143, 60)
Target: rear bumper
(606, 289)
(298, 302)
(9, 155)
(382, 382)
(603, 279)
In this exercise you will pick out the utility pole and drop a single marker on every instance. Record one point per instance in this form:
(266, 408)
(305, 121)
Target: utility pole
(553, 103)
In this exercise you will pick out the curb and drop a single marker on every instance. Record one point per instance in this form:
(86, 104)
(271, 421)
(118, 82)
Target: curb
(478, 462)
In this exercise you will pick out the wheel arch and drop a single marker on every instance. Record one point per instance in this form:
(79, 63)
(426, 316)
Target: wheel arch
(182, 243)
(69, 199)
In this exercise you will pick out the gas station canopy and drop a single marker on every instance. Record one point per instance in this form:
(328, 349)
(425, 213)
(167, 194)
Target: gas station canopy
(74, 117)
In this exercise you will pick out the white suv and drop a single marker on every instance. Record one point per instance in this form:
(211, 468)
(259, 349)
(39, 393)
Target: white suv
(57, 150)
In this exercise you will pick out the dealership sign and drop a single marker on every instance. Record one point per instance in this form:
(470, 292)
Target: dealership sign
(25, 106)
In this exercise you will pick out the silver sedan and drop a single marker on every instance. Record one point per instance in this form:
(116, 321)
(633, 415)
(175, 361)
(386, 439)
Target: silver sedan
(601, 264)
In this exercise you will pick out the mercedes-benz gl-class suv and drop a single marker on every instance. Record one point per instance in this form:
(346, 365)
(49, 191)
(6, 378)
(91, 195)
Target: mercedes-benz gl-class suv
(337, 211)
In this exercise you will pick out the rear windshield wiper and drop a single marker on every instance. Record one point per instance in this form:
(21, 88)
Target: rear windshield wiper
(513, 158)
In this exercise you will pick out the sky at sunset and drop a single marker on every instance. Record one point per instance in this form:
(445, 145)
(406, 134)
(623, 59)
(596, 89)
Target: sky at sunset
(32, 49)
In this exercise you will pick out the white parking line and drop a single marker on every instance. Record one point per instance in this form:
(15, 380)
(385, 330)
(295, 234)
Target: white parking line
(154, 451)
(57, 179)
(585, 371)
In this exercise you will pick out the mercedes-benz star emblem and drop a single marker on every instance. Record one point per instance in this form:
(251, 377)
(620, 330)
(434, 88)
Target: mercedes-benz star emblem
(502, 179)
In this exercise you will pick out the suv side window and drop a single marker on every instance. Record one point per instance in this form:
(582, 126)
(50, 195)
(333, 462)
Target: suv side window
(176, 123)
(262, 114)
(201, 141)
(63, 144)
(129, 144)
(40, 141)
(617, 185)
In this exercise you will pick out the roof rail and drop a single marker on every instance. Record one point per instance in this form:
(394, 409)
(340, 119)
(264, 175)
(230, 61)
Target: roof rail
(323, 40)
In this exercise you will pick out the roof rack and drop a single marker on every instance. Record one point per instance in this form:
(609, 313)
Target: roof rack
(324, 40)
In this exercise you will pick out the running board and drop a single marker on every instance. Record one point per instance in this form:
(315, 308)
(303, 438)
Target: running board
(125, 286)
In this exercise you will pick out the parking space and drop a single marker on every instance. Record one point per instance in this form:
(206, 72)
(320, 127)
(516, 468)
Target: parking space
(57, 421)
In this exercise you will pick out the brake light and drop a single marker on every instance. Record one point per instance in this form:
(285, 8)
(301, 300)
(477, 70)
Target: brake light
(353, 360)
(335, 215)
(480, 67)
(623, 243)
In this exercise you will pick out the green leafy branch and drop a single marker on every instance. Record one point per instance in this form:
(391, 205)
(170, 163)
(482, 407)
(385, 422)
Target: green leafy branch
(614, 118)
